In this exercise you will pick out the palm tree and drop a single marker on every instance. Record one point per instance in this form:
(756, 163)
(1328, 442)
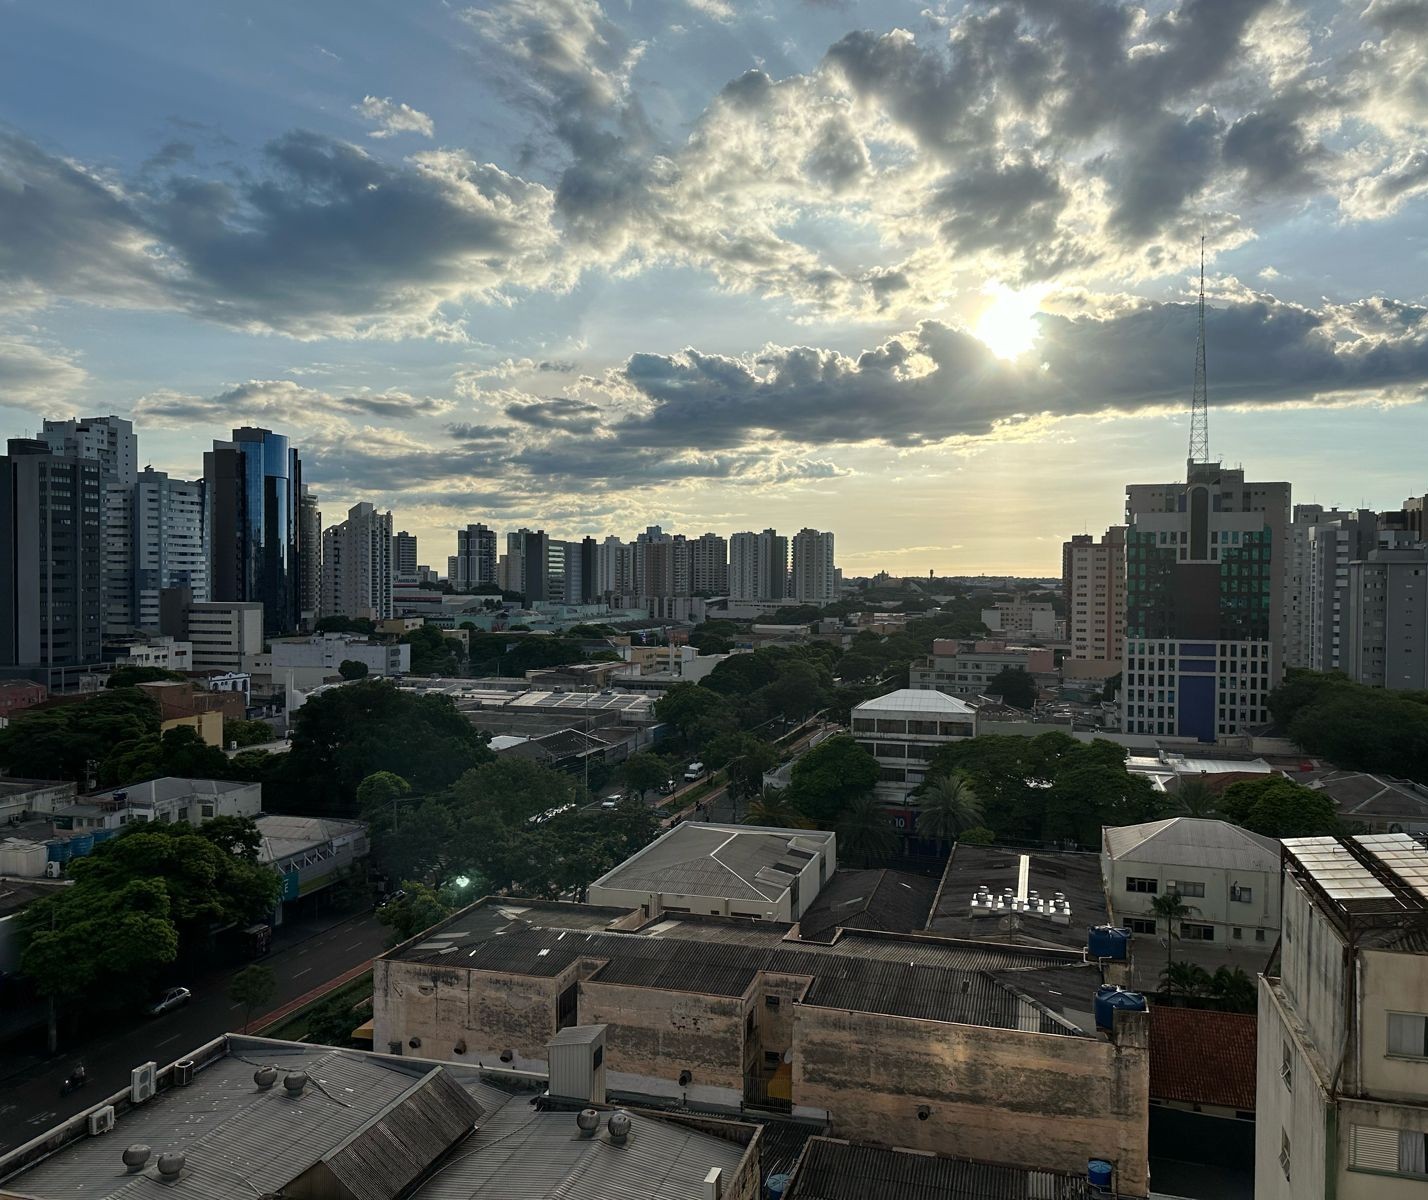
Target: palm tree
(949, 807)
(773, 807)
(1185, 979)
(1233, 990)
(865, 832)
(1171, 908)
(1193, 797)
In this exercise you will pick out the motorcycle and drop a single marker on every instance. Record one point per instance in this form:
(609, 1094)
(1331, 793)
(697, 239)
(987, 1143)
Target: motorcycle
(75, 1080)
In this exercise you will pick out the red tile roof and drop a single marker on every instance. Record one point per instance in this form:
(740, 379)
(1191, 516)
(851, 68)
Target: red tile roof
(1199, 1056)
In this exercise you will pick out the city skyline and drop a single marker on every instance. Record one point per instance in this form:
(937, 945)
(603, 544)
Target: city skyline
(857, 267)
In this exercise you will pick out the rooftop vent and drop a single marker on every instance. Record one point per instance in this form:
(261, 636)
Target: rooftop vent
(294, 1082)
(619, 1127)
(136, 1156)
(265, 1077)
(171, 1165)
(587, 1120)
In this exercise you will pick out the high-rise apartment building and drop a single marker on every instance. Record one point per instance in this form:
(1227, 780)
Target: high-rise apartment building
(615, 568)
(661, 564)
(528, 564)
(310, 559)
(814, 581)
(1386, 619)
(253, 484)
(110, 441)
(1093, 580)
(1321, 545)
(51, 557)
(1407, 519)
(709, 565)
(404, 555)
(589, 570)
(475, 560)
(1204, 603)
(357, 565)
(156, 537)
(758, 567)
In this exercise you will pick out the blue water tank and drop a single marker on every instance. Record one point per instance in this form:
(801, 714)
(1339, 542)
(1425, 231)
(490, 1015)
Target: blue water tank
(775, 1186)
(1107, 941)
(1109, 997)
(59, 850)
(1099, 1173)
(81, 845)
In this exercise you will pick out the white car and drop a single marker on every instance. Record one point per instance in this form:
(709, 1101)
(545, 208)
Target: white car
(170, 1000)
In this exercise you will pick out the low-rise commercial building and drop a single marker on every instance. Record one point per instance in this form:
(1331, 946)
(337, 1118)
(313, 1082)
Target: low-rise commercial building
(1343, 1026)
(314, 659)
(967, 669)
(225, 634)
(16, 695)
(723, 870)
(166, 653)
(955, 1048)
(1375, 803)
(310, 853)
(1227, 876)
(903, 730)
(1023, 618)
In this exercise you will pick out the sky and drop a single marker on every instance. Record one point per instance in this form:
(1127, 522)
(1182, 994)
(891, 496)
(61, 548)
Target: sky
(924, 275)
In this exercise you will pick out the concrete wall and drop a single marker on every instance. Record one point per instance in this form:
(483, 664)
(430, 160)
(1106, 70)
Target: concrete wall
(1301, 1110)
(1360, 1182)
(1313, 974)
(1392, 982)
(1056, 1100)
(1215, 907)
(779, 909)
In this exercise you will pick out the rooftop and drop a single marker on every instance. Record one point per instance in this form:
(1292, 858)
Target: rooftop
(1077, 875)
(284, 836)
(915, 700)
(16, 893)
(170, 787)
(1372, 879)
(1192, 842)
(1363, 797)
(734, 862)
(970, 983)
(892, 901)
(836, 1170)
(368, 1127)
(1200, 1056)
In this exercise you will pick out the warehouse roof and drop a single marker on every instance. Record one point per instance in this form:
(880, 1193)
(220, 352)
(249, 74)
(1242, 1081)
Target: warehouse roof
(285, 836)
(893, 901)
(915, 700)
(1192, 842)
(836, 1170)
(366, 1126)
(970, 983)
(734, 862)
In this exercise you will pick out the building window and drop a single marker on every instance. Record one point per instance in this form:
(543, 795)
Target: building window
(771, 1001)
(1239, 934)
(1286, 1066)
(206, 810)
(1195, 891)
(1141, 924)
(1259, 935)
(1241, 895)
(1284, 1153)
(1194, 931)
(1408, 1035)
(1148, 886)
(1389, 1151)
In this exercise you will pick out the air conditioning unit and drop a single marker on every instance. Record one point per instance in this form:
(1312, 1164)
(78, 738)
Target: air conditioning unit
(101, 1120)
(143, 1080)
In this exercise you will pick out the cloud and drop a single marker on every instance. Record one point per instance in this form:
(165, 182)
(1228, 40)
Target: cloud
(30, 377)
(282, 400)
(392, 118)
(570, 416)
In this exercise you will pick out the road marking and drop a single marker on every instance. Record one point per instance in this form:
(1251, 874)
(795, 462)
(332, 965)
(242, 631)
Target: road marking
(167, 1040)
(300, 974)
(353, 946)
(234, 1007)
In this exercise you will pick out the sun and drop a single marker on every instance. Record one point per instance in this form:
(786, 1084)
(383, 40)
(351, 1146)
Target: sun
(1008, 325)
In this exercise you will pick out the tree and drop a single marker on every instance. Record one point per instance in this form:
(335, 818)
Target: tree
(827, 779)
(644, 771)
(124, 677)
(1233, 991)
(250, 987)
(798, 691)
(331, 1023)
(949, 806)
(248, 733)
(233, 835)
(376, 793)
(179, 752)
(1015, 687)
(1277, 807)
(68, 742)
(865, 831)
(1193, 797)
(433, 653)
(1170, 908)
(340, 624)
(351, 668)
(979, 835)
(1184, 979)
(775, 810)
(419, 907)
(688, 706)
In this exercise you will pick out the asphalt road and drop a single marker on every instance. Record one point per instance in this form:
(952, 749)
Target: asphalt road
(302, 958)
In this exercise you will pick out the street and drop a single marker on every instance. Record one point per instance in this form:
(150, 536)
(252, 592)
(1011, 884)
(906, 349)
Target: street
(303, 957)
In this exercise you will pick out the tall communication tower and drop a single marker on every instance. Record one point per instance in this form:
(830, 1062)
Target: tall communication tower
(1199, 415)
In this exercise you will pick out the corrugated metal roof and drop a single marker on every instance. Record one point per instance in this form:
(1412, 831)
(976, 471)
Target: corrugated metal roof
(833, 1170)
(893, 901)
(915, 700)
(1193, 842)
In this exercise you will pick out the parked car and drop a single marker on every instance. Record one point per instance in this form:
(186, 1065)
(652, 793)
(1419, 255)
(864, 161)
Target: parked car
(667, 787)
(613, 800)
(694, 771)
(174, 998)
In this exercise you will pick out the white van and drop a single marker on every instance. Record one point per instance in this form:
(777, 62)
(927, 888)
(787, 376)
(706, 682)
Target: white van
(694, 771)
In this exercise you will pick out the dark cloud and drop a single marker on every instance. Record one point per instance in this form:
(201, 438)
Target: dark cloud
(1000, 205)
(570, 416)
(284, 400)
(465, 431)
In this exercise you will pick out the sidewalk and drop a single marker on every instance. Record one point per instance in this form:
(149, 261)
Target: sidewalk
(286, 1010)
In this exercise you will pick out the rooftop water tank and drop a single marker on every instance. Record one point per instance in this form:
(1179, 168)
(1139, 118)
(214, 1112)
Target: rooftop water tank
(1098, 1173)
(1109, 997)
(1107, 941)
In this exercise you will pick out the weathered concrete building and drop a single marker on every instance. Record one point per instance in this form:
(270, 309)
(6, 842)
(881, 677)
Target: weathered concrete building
(1342, 1080)
(946, 1046)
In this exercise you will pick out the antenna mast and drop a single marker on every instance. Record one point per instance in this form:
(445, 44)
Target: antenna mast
(1199, 414)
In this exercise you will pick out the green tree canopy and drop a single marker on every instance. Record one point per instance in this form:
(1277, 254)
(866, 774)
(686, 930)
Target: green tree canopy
(1014, 686)
(1279, 808)
(248, 733)
(827, 779)
(433, 653)
(948, 808)
(125, 676)
(774, 809)
(351, 668)
(252, 987)
(691, 708)
(420, 907)
(179, 752)
(865, 831)
(68, 741)
(644, 772)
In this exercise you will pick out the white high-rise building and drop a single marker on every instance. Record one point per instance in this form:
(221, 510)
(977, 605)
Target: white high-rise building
(1386, 619)
(475, 561)
(1093, 580)
(357, 565)
(1321, 544)
(709, 565)
(110, 441)
(814, 580)
(614, 568)
(155, 537)
(758, 567)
